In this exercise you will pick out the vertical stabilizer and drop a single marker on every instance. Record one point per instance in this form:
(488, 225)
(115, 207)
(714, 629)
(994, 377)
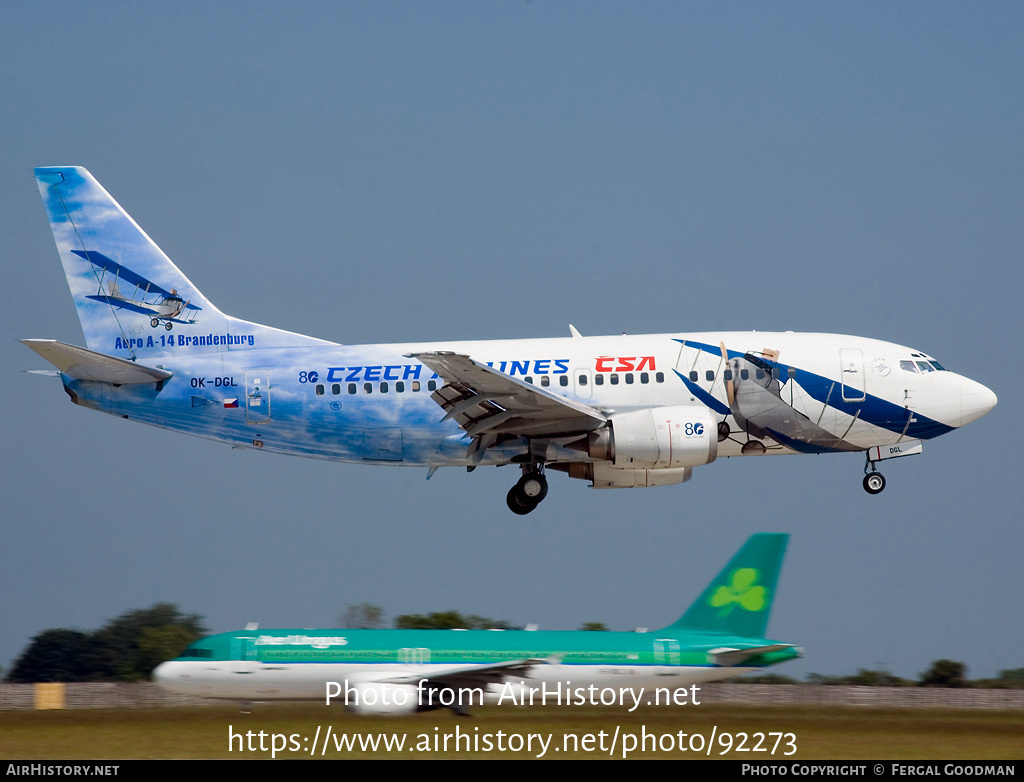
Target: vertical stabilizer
(739, 600)
(132, 301)
(120, 280)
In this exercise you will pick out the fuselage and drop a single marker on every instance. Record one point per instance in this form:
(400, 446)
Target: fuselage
(298, 664)
(793, 392)
(620, 411)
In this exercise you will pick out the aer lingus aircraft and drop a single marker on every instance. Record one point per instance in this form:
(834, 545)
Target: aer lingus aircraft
(393, 671)
(620, 411)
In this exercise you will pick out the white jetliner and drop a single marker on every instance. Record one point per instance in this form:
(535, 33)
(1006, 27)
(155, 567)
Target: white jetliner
(721, 635)
(619, 411)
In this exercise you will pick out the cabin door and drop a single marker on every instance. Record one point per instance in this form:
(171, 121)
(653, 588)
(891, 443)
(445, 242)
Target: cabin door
(243, 655)
(666, 651)
(257, 396)
(851, 374)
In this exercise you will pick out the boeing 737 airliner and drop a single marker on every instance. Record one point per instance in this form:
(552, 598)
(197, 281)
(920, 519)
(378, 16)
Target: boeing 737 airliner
(396, 671)
(620, 411)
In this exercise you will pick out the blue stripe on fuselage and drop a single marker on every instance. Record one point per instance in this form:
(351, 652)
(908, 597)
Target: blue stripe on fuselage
(873, 410)
(703, 395)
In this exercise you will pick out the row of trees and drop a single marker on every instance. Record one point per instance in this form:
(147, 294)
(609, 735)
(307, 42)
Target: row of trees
(368, 616)
(941, 673)
(129, 647)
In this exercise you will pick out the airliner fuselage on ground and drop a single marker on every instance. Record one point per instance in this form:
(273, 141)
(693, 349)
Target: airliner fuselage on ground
(620, 411)
(395, 671)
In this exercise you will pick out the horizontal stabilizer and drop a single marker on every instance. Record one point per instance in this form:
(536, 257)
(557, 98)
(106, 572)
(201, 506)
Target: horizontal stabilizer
(82, 364)
(730, 657)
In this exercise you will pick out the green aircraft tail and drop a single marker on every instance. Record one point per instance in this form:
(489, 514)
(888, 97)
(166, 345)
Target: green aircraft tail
(739, 599)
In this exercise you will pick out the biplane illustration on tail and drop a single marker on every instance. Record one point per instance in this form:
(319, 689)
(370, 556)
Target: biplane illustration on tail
(165, 306)
(624, 411)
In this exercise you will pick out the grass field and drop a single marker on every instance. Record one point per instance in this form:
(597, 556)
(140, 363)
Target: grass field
(820, 732)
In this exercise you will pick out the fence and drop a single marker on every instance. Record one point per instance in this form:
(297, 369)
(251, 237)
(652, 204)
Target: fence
(117, 695)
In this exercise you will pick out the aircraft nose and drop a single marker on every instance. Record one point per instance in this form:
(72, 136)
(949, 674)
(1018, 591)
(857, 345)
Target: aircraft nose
(975, 400)
(162, 673)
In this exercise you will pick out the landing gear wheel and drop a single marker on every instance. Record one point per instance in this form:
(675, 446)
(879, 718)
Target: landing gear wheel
(154, 322)
(533, 486)
(723, 431)
(168, 325)
(874, 482)
(519, 503)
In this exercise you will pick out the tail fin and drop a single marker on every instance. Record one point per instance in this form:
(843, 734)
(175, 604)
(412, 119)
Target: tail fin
(739, 599)
(131, 299)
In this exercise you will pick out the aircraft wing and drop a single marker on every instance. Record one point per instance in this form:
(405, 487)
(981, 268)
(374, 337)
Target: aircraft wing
(124, 304)
(484, 401)
(82, 364)
(122, 272)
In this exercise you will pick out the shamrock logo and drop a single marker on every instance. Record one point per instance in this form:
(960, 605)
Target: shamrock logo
(742, 592)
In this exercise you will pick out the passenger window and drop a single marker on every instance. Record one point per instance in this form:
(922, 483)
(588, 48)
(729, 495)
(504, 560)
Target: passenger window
(336, 389)
(545, 381)
(563, 380)
(709, 375)
(415, 385)
(400, 387)
(431, 385)
(598, 380)
(660, 377)
(383, 388)
(727, 374)
(759, 374)
(791, 372)
(693, 376)
(744, 374)
(319, 390)
(351, 388)
(528, 380)
(583, 380)
(368, 388)
(644, 377)
(614, 380)
(629, 378)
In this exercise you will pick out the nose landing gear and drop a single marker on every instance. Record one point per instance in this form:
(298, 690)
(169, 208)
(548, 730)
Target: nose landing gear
(528, 493)
(874, 481)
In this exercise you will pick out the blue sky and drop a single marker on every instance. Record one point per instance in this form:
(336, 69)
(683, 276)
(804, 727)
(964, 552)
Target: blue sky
(375, 172)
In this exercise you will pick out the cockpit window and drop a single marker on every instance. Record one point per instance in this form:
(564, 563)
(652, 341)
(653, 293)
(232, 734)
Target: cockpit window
(925, 365)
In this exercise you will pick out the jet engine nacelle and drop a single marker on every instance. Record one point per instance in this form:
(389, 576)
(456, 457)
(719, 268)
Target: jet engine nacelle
(657, 438)
(371, 697)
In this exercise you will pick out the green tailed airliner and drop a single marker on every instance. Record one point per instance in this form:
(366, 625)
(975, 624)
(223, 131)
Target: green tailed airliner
(720, 635)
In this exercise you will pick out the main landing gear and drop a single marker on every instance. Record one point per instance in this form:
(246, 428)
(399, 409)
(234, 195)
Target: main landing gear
(528, 493)
(874, 481)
